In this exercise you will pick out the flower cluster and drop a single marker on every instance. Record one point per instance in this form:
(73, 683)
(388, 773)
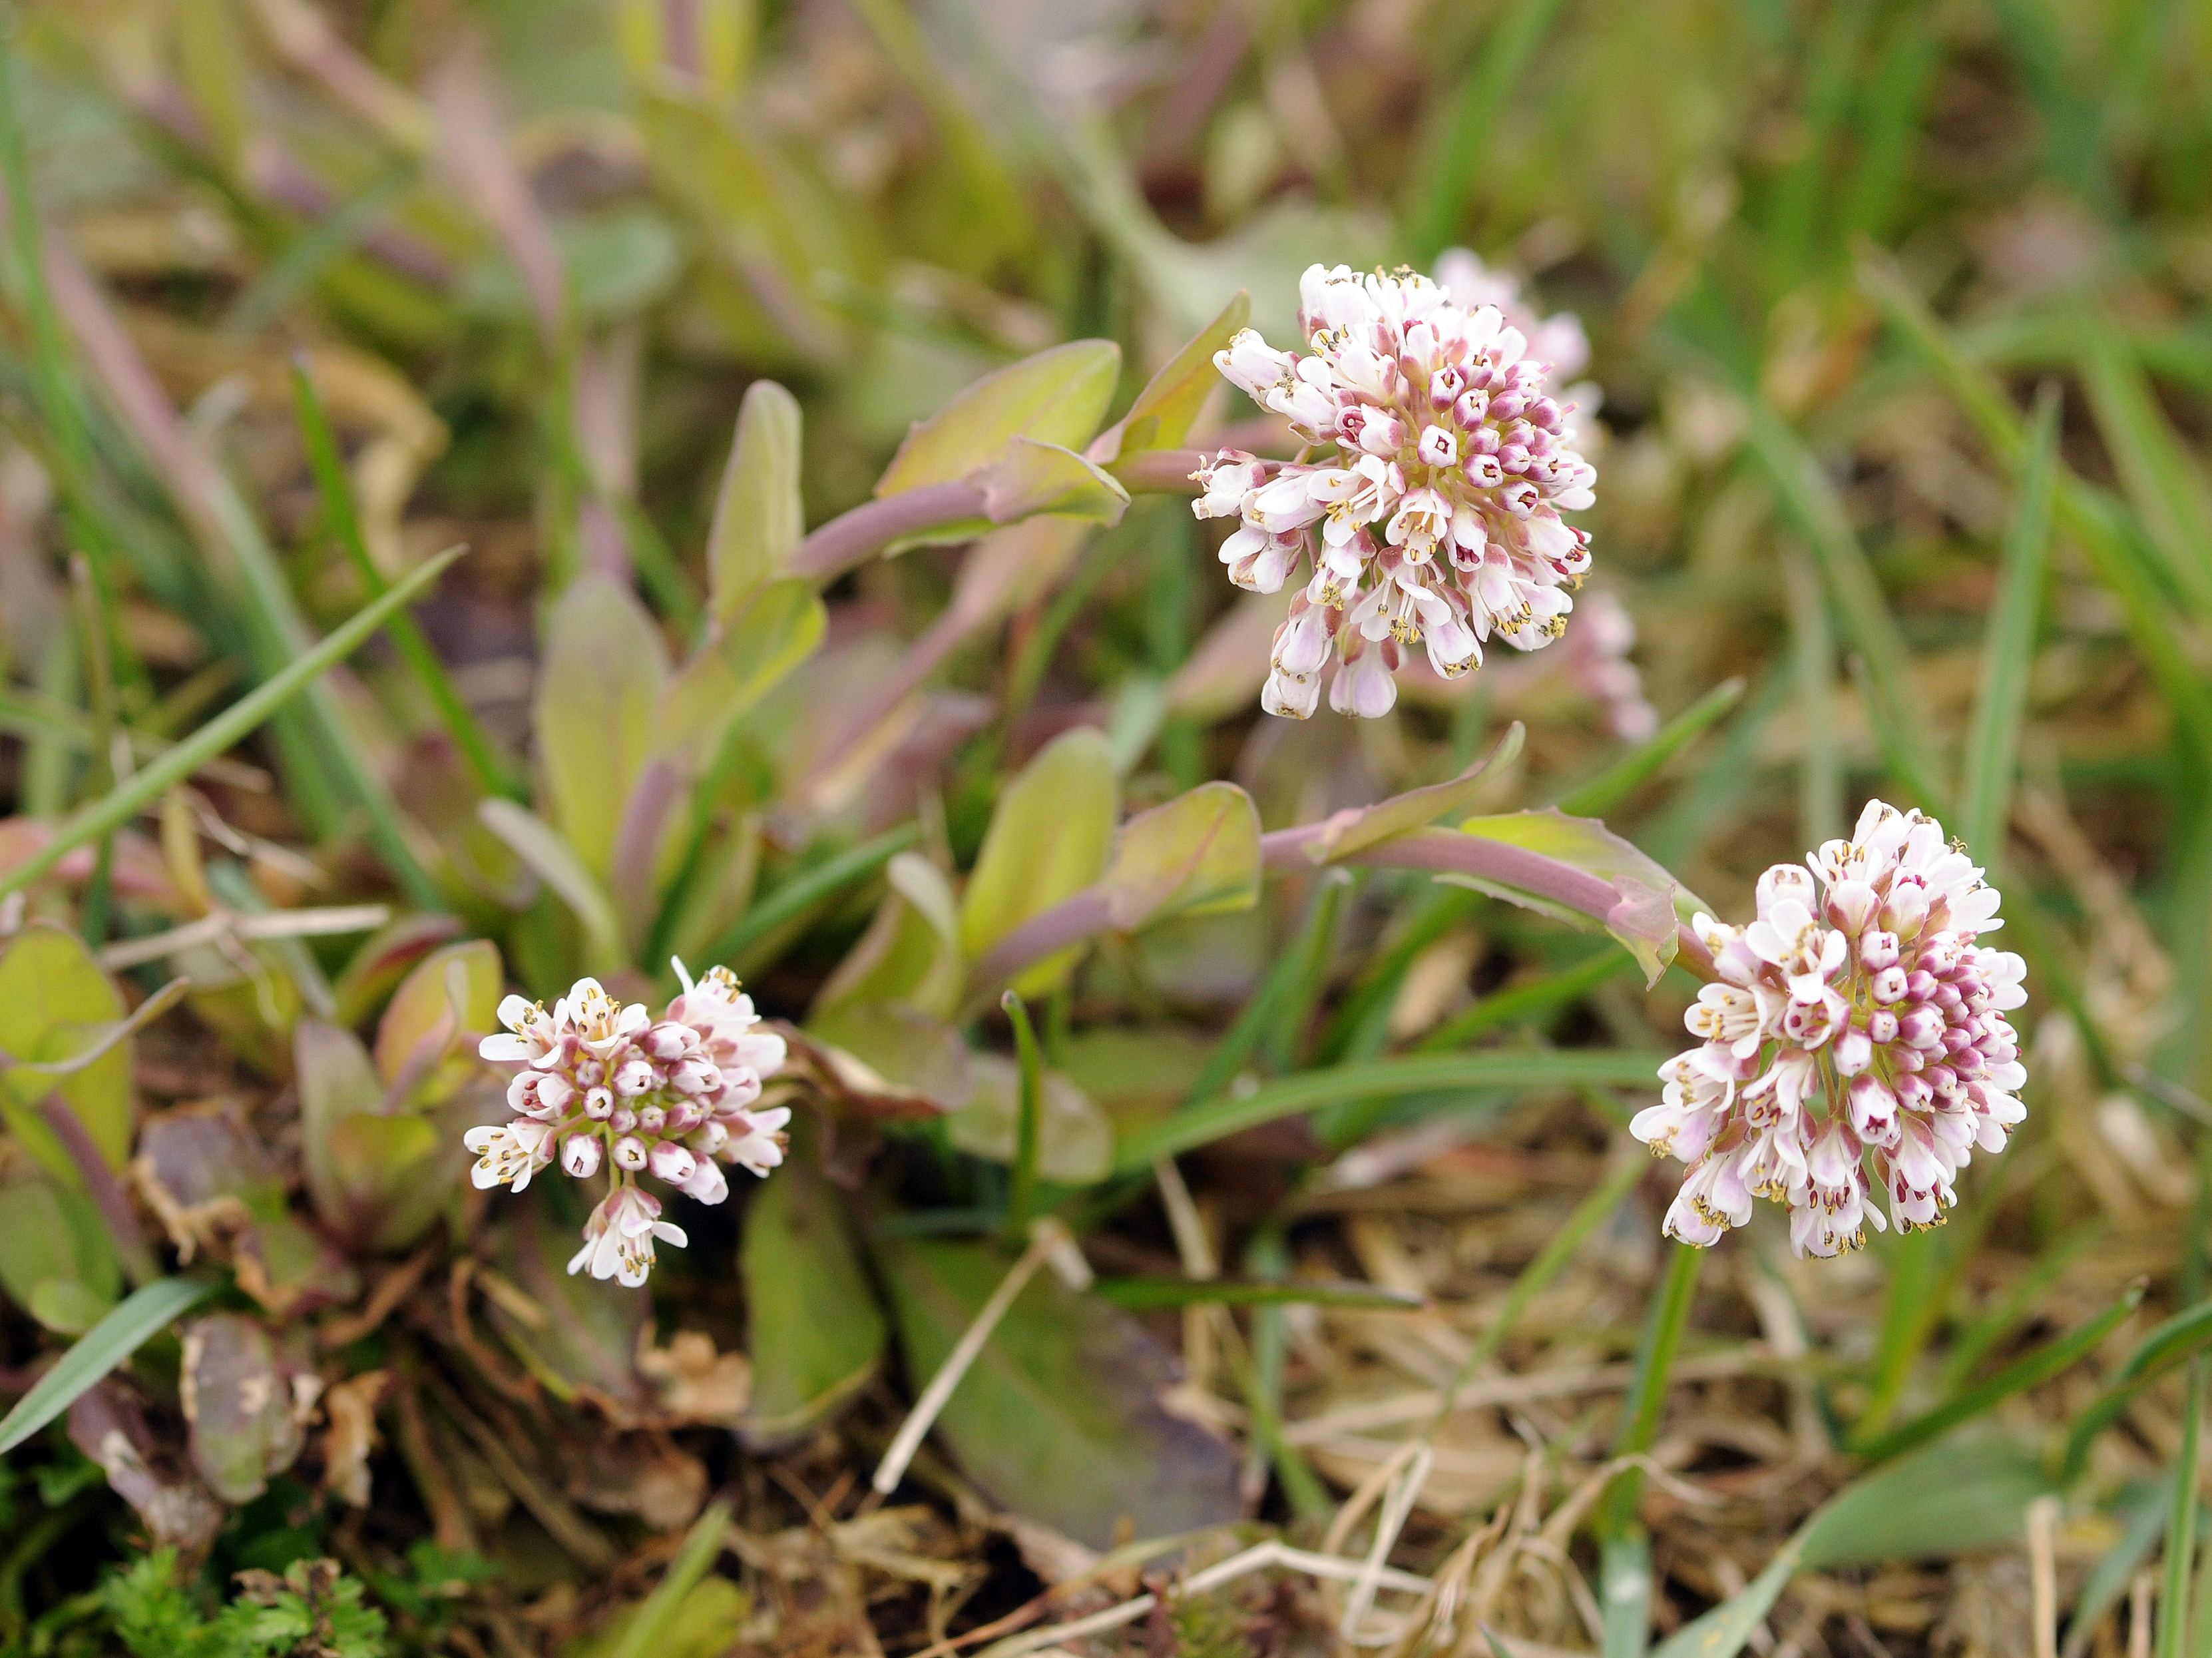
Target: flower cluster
(604, 1083)
(1856, 1023)
(1435, 519)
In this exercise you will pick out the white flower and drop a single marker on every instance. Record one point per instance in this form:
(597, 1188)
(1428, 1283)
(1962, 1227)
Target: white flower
(510, 1153)
(757, 1145)
(1855, 1028)
(1451, 465)
(606, 1086)
(618, 1237)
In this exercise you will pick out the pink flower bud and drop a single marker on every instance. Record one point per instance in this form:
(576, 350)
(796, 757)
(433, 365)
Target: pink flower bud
(651, 1119)
(623, 1120)
(1906, 909)
(671, 1163)
(1854, 1052)
(599, 1104)
(629, 1153)
(1877, 950)
(1921, 1028)
(684, 1116)
(1881, 1027)
(580, 1155)
(1874, 1108)
(1889, 985)
(636, 1076)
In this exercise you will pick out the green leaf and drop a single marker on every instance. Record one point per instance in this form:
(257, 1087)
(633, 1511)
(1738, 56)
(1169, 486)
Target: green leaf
(423, 1005)
(2008, 646)
(1049, 840)
(1358, 827)
(1060, 1417)
(817, 1334)
(387, 1171)
(124, 801)
(1056, 396)
(1197, 855)
(56, 1260)
(1645, 920)
(777, 628)
(2031, 1369)
(1967, 1494)
(103, 1347)
(758, 516)
(550, 858)
(1215, 1118)
(385, 957)
(802, 893)
(54, 1002)
(1075, 1143)
(1144, 1294)
(334, 1079)
(599, 683)
(1165, 411)
(238, 1402)
(915, 1053)
(1034, 477)
(911, 951)
(659, 1626)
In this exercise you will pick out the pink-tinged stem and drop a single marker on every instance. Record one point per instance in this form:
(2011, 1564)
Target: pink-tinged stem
(1069, 922)
(637, 843)
(854, 537)
(106, 1192)
(1088, 911)
(476, 153)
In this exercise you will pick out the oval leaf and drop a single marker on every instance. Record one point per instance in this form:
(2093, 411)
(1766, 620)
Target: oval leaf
(1049, 840)
(817, 1335)
(758, 517)
(1060, 1416)
(422, 1006)
(238, 1402)
(1169, 406)
(767, 636)
(1197, 855)
(598, 684)
(54, 1001)
(1058, 396)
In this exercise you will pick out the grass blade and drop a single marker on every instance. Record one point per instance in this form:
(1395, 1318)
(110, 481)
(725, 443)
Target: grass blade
(1809, 499)
(2181, 1523)
(2030, 1370)
(97, 1351)
(2153, 466)
(1613, 786)
(1533, 1000)
(1212, 1120)
(2008, 646)
(1022, 1186)
(1647, 1392)
(2099, 524)
(120, 805)
(1461, 135)
(797, 896)
(492, 774)
(1282, 981)
(1146, 1295)
(1812, 658)
(648, 1626)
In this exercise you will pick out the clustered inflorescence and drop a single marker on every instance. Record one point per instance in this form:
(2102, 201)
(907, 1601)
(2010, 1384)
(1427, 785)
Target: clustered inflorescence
(1434, 521)
(1856, 1021)
(603, 1083)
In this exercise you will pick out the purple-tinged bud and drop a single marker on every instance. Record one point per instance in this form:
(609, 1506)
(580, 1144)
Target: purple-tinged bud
(1920, 985)
(1942, 1079)
(651, 1119)
(1445, 386)
(1850, 904)
(666, 1040)
(629, 1153)
(707, 1184)
(1889, 984)
(590, 1072)
(1913, 1093)
(623, 1120)
(1921, 1028)
(1881, 1027)
(1854, 1052)
(671, 1163)
(1906, 909)
(599, 1104)
(1513, 457)
(684, 1116)
(1508, 407)
(710, 1139)
(635, 1077)
(580, 1155)
(1471, 408)
(1946, 996)
(1877, 950)
(1873, 1107)
(1941, 952)
(695, 1076)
